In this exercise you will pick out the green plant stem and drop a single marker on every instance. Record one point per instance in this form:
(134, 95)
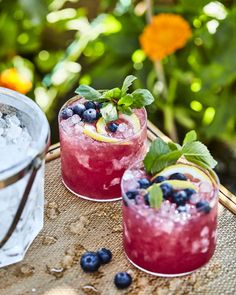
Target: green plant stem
(169, 120)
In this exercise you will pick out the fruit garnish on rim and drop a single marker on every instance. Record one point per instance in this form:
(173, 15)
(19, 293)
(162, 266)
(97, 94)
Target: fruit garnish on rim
(170, 176)
(109, 115)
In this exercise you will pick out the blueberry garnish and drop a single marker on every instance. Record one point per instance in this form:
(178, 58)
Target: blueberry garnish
(179, 198)
(167, 190)
(105, 255)
(78, 109)
(146, 199)
(99, 105)
(112, 127)
(159, 179)
(189, 192)
(90, 115)
(66, 113)
(144, 183)
(90, 105)
(122, 280)
(182, 209)
(131, 194)
(203, 206)
(178, 176)
(90, 261)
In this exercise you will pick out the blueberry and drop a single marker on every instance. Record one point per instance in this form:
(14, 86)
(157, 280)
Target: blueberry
(131, 194)
(105, 255)
(178, 176)
(99, 105)
(159, 179)
(122, 280)
(182, 209)
(167, 190)
(146, 200)
(189, 192)
(179, 198)
(113, 126)
(90, 261)
(98, 115)
(90, 115)
(78, 109)
(203, 206)
(144, 183)
(66, 113)
(90, 105)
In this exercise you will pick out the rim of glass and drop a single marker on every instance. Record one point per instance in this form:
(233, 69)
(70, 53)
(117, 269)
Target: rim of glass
(77, 97)
(43, 139)
(211, 173)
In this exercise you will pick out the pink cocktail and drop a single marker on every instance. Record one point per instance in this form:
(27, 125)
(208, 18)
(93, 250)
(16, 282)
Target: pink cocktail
(178, 237)
(93, 157)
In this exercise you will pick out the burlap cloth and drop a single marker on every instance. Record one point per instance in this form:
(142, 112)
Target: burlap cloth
(73, 225)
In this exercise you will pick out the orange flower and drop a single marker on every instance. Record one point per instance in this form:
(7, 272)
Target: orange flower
(11, 78)
(164, 35)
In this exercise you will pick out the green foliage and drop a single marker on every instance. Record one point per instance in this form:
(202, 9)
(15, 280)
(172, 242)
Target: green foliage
(60, 43)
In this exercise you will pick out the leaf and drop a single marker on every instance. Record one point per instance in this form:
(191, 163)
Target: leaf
(198, 153)
(190, 137)
(109, 112)
(126, 100)
(157, 148)
(125, 110)
(127, 83)
(165, 160)
(174, 146)
(142, 97)
(155, 196)
(88, 92)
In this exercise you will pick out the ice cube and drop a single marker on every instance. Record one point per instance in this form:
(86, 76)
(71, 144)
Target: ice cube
(12, 120)
(3, 141)
(14, 132)
(75, 119)
(122, 127)
(1, 130)
(205, 187)
(3, 124)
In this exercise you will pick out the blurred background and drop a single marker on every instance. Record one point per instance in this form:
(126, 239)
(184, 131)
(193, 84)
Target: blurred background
(49, 47)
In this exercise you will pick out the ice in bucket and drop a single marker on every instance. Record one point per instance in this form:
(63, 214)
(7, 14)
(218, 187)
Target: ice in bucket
(24, 134)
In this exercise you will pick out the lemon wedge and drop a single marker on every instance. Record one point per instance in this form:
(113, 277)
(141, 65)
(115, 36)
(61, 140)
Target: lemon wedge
(185, 169)
(90, 131)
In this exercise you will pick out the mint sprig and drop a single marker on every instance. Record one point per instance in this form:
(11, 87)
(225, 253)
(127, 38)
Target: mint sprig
(162, 154)
(117, 99)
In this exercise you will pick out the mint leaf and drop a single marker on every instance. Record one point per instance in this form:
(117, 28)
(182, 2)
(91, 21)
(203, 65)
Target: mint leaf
(165, 160)
(88, 92)
(125, 110)
(190, 137)
(157, 148)
(142, 97)
(198, 153)
(155, 196)
(113, 93)
(126, 100)
(174, 146)
(127, 83)
(109, 112)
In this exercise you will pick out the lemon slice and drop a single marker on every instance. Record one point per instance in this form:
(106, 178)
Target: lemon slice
(185, 169)
(180, 184)
(132, 119)
(90, 131)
